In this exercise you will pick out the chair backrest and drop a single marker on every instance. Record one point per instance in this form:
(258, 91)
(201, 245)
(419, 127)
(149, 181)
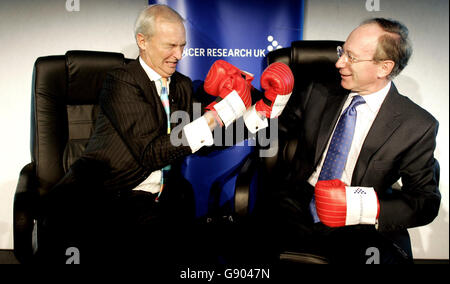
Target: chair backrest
(310, 61)
(65, 91)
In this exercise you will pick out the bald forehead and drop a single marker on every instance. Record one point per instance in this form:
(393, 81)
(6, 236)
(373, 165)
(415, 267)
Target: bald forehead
(371, 31)
(368, 32)
(364, 39)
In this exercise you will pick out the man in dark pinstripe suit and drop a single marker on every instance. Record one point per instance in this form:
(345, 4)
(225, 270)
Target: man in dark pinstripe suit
(109, 193)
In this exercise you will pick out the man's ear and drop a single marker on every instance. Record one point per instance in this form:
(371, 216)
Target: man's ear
(140, 40)
(385, 69)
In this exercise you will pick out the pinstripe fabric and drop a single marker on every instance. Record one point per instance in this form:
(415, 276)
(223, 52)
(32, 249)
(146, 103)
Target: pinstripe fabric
(130, 138)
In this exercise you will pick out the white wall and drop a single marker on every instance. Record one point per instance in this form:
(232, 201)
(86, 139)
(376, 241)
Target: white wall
(425, 80)
(29, 29)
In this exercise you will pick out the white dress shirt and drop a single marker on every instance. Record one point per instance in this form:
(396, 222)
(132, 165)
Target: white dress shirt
(153, 76)
(153, 182)
(366, 114)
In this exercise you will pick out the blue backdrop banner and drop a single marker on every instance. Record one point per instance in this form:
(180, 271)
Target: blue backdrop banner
(241, 32)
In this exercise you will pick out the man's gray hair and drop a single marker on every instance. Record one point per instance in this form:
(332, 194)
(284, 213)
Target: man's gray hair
(145, 23)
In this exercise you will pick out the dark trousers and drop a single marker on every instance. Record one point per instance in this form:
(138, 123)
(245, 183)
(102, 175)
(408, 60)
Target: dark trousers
(126, 228)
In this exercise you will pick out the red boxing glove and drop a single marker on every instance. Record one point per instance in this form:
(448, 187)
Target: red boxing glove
(339, 205)
(232, 88)
(223, 78)
(277, 81)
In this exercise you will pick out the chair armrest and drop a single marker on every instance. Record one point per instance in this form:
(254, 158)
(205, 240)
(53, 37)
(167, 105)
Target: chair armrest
(25, 200)
(289, 257)
(243, 184)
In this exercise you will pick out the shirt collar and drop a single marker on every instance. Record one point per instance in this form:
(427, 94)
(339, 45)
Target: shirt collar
(152, 75)
(375, 100)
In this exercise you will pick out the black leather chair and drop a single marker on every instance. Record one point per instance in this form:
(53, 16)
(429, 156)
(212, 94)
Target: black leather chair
(63, 112)
(310, 61)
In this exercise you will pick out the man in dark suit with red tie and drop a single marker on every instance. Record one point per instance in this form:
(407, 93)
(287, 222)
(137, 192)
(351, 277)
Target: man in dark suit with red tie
(355, 141)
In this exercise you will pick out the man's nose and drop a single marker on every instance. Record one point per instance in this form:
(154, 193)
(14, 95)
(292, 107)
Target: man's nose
(340, 63)
(178, 53)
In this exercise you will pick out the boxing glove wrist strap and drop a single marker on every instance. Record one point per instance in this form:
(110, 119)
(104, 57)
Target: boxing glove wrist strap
(362, 205)
(279, 104)
(230, 108)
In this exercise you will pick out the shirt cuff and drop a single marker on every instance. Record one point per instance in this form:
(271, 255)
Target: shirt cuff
(198, 134)
(253, 120)
(230, 108)
(362, 205)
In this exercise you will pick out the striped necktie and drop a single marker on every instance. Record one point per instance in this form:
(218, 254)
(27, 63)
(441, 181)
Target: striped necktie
(165, 101)
(340, 144)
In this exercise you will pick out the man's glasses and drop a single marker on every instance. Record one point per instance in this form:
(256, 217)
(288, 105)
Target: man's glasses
(348, 58)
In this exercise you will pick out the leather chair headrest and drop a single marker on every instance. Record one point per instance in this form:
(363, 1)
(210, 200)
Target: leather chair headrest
(314, 53)
(86, 71)
(309, 60)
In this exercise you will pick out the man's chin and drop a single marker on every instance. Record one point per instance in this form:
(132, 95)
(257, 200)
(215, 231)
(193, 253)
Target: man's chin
(170, 70)
(345, 85)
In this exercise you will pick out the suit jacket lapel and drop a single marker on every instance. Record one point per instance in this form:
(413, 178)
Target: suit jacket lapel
(386, 122)
(143, 81)
(149, 90)
(331, 115)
